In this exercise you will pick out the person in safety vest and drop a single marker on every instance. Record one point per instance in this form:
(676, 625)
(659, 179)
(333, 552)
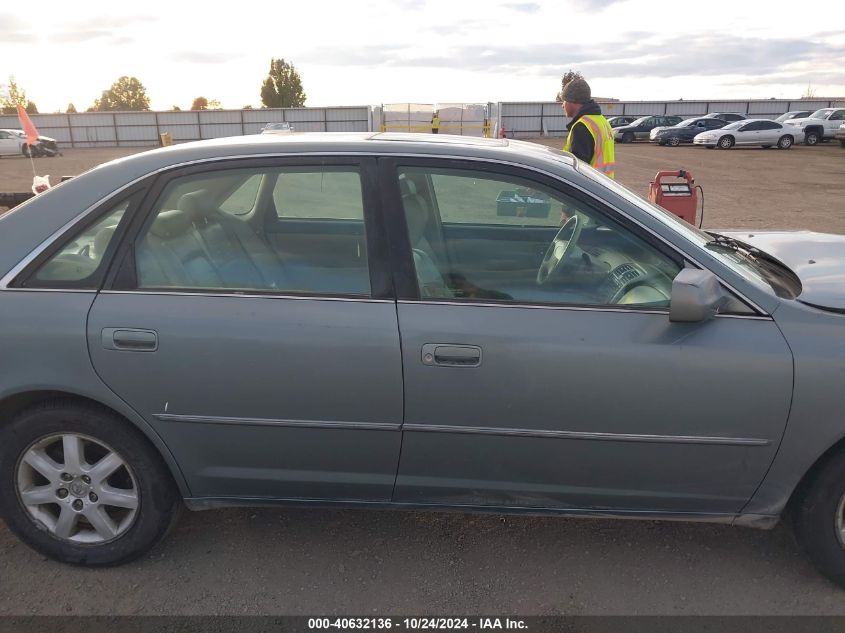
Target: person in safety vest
(435, 123)
(590, 136)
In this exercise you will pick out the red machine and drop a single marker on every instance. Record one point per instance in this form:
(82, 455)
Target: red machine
(678, 198)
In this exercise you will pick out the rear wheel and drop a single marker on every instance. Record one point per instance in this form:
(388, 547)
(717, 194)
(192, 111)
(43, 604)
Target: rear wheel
(25, 150)
(726, 142)
(628, 137)
(785, 142)
(82, 486)
(819, 518)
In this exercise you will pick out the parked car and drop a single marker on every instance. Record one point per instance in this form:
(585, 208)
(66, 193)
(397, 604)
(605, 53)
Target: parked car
(642, 127)
(840, 135)
(793, 114)
(14, 143)
(763, 132)
(821, 125)
(730, 117)
(685, 131)
(619, 121)
(277, 128)
(266, 319)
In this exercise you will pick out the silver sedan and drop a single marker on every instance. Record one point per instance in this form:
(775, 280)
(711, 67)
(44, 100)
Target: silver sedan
(753, 132)
(406, 321)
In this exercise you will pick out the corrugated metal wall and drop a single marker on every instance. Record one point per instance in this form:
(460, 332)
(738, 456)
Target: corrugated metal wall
(548, 119)
(142, 129)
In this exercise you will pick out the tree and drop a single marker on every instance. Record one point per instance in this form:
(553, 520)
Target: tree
(200, 103)
(176, 108)
(71, 109)
(125, 94)
(215, 104)
(810, 92)
(247, 107)
(17, 95)
(569, 76)
(283, 86)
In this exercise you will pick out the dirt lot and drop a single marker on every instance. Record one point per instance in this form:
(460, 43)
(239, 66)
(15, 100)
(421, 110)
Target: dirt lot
(803, 188)
(276, 561)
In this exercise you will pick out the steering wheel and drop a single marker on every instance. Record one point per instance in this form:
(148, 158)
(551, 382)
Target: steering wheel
(561, 248)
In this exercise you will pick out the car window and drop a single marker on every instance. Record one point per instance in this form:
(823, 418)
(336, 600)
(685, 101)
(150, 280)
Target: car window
(714, 124)
(78, 261)
(838, 116)
(508, 239)
(735, 125)
(305, 236)
(819, 114)
(770, 125)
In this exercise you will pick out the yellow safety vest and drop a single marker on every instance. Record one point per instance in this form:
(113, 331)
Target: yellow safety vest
(604, 156)
(435, 123)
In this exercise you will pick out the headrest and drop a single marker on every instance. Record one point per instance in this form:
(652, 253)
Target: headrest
(170, 223)
(407, 187)
(196, 204)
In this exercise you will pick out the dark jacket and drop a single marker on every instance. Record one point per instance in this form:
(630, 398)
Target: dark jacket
(583, 145)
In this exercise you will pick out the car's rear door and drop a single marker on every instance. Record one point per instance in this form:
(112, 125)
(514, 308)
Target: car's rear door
(271, 370)
(553, 395)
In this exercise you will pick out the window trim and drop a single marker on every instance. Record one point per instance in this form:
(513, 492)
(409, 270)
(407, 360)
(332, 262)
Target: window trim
(405, 278)
(123, 276)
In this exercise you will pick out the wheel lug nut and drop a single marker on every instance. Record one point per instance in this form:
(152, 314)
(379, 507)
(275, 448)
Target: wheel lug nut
(86, 479)
(61, 493)
(78, 505)
(93, 497)
(67, 477)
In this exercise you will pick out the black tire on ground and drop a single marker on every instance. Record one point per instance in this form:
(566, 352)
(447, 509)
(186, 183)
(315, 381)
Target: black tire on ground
(673, 141)
(25, 150)
(785, 142)
(812, 138)
(158, 500)
(628, 137)
(726, 142)
(842, 143)
(817, 521)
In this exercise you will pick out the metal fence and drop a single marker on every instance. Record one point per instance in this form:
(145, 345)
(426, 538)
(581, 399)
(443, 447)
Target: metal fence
(142, 129)
(465, 119)
(528, 119)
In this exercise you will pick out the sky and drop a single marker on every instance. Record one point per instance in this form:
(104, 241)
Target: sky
(421, 51)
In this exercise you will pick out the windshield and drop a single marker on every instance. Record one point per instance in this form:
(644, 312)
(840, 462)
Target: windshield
(748, 266)
(787, 116)
(819, 114)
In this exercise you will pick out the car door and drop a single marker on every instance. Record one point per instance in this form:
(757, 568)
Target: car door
(646, 127)
(770, 132)
(553, 396)
(748, 134)
(833, 122)
(270, 371)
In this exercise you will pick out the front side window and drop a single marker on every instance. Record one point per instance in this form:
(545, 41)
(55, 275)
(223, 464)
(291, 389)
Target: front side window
(285, 230)
(80, 261)
(477, 236)
(838, 116)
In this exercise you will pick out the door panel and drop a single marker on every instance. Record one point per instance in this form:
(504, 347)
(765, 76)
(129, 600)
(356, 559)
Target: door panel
(590, 409)
(263, 397)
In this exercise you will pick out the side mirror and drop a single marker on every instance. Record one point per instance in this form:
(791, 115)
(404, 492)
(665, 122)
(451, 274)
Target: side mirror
(696, 296)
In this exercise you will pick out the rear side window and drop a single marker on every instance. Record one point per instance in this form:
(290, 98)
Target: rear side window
(311, 193)
(80, 262)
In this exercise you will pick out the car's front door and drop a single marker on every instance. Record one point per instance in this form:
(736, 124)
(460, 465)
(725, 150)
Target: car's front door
(8, 144)
(566, 386)
(269, 364)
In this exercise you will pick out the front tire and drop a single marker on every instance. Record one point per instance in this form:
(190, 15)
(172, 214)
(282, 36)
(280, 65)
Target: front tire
(26, 151)
(80, 485)
(726, 142)
(628, 137)
(819, 519)
(812, 138)
(673, 141)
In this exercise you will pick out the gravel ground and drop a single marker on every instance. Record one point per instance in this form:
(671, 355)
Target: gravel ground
(277, 561)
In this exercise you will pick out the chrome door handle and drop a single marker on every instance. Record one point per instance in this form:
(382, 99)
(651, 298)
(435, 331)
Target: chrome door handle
(451, 355)
(130, 339)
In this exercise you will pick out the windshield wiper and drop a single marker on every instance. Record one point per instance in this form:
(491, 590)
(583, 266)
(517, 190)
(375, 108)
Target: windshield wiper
(774, 270)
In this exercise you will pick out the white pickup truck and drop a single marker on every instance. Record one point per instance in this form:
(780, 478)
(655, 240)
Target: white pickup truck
(819, 126)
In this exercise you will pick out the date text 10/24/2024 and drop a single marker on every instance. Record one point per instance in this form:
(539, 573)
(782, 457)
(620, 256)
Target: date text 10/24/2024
(416, 624)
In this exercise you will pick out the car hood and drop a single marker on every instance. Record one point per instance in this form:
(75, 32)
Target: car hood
(817, 258)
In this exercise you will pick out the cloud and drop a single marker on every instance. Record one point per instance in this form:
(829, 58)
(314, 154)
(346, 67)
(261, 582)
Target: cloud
(196, 57)
(593, 5)
(523, 7)
(98, 28)
(13, 30)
